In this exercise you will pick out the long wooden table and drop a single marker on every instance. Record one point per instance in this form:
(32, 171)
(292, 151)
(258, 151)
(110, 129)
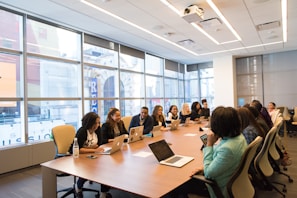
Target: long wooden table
(127, 171)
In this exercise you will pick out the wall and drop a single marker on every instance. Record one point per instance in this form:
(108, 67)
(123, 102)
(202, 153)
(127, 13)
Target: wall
(224, 81)
(25, 156)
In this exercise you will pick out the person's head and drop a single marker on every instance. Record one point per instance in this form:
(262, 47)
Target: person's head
(144, 112)
(185, 109)
(257, 104)
(204, 103)
(246, 117)
(114, 115)
(173, 109)
(91, 121)
(158, 111)
(195, 106)
(271, 106)
(225, 122)
(254, 111)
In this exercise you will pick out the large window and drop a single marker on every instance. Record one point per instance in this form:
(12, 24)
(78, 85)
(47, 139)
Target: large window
(62, 80)
(52, 41)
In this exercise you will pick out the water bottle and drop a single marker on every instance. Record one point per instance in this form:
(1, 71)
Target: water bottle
(75, 149)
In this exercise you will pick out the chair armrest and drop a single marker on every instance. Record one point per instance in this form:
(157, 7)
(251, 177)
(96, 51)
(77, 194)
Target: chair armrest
(212, 183)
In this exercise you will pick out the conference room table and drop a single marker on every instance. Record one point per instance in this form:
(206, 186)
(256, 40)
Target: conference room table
(134, 168)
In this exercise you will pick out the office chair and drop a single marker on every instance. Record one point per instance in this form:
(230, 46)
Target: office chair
(293, 131)
(239, 183)
(127, 120)
(274, 149)
(63, 136)
(262, 164)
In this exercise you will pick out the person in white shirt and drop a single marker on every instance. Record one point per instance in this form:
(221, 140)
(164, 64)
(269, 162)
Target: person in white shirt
(172, 114)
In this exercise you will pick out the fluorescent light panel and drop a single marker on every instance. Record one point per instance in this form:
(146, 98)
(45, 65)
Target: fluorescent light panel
(284, 22)
(136, 26)
(285, 19)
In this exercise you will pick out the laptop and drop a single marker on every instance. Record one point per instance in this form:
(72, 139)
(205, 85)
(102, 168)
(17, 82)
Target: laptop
(174, 125)
(165, 155)
(156, 131)
(135, 134)
(187, 122)
(116, 145)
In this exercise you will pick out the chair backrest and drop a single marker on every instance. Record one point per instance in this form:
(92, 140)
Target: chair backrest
(261, 162)
(295, 115)
(285, 112)
(240, 183)
(63, 137)
(272, 149)
(127, 120)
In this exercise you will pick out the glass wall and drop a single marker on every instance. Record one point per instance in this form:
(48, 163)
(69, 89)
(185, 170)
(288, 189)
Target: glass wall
(67, 73)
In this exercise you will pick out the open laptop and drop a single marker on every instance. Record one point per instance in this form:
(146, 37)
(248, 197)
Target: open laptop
(156, 131)
(116, 145)
(187, 122)
(165, 155)
(135, 134)
(174, 125)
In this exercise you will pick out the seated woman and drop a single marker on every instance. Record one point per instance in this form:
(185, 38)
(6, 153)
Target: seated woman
(273, 111)
(250, 128)
(158, 117)
(113, 126)
(205, 112)
(195, 111)
(88, 138)
(221, 160)
(184, 113)
(172, 114)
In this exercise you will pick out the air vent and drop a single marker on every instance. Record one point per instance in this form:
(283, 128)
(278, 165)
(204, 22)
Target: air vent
(186, 42)
(212, 22)
(267, 26)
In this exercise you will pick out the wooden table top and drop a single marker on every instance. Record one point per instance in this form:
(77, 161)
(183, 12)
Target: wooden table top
(126, 170)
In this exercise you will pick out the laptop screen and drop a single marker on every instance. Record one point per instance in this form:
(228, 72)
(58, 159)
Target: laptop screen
(161, 150)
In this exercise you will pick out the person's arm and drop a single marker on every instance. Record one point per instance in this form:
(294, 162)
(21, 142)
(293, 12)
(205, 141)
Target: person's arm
(134, 122)
(105, 130)
(123, 128)
(148, 125)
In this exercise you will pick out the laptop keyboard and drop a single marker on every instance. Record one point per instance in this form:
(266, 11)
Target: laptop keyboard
(174, 159)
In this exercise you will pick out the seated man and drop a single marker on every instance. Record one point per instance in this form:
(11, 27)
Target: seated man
(142, 119)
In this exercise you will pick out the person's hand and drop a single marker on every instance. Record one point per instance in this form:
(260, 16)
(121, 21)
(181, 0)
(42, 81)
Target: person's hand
(99, 149)
(211, 139)
(197, 171)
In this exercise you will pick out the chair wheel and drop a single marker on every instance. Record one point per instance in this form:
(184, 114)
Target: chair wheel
(284, 190)
(285, 168)
(291, 180)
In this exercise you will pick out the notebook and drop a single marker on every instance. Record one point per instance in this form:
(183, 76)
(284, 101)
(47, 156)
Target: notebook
(174, 125)
(135, 134)
(166, 156)
(156, 131)
(116, 145)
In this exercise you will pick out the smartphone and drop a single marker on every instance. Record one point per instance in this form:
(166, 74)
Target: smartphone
(204, 139)
(91, 156)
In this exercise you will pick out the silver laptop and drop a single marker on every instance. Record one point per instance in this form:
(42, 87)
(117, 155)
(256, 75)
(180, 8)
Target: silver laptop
(174, 125)
(156, 131)
(187, 122)
(135, 134)
(165, 155)
(116, 145)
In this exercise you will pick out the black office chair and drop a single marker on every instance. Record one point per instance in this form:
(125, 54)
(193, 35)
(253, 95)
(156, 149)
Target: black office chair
(239, 184)
(63, 136)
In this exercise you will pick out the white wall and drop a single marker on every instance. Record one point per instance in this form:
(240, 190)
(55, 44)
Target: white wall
(224, 81)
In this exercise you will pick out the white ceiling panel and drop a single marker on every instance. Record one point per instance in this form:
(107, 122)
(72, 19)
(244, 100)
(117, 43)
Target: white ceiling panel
(154, 16)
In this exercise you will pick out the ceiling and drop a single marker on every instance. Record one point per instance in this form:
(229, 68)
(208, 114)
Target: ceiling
(165, 33)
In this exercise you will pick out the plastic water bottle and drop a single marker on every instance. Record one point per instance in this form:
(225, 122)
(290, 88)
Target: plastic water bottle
(75, 149)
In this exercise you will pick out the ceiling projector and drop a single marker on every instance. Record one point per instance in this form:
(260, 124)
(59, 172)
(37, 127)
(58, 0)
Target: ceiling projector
(193, 14)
